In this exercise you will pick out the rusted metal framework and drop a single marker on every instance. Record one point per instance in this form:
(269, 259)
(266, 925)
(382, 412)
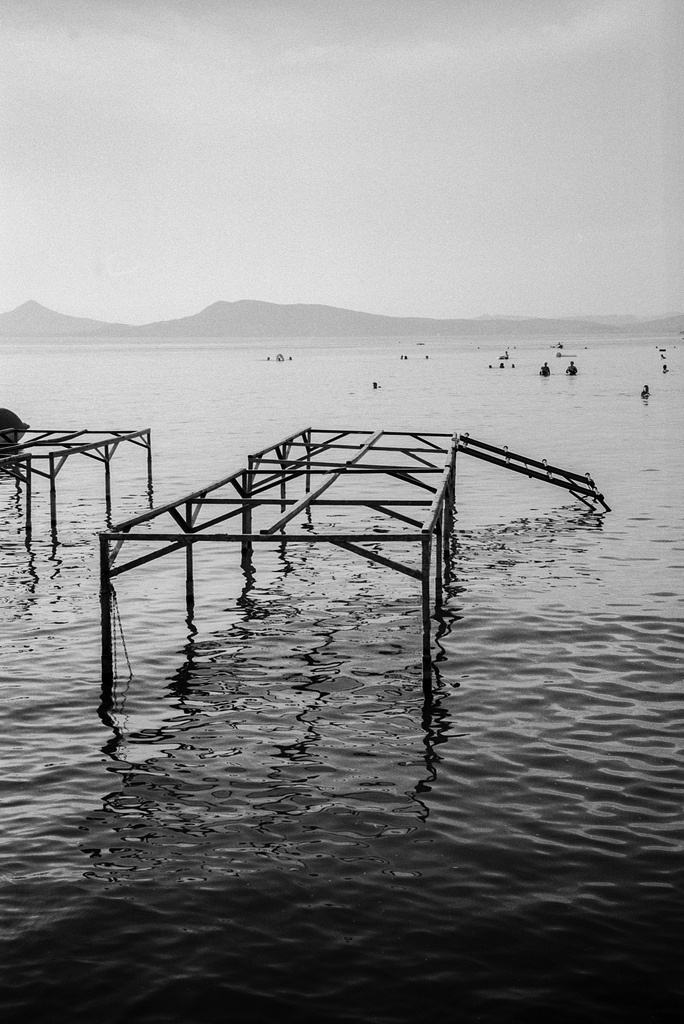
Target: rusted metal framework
(415, 470)
(43, 453)
(407, 476)
(581, 487)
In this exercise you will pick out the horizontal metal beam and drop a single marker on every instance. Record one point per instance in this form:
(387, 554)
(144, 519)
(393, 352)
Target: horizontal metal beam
(308, 498)
(378, 448)
(438, 502)
(326, 467)
(466, 443)
(264, 538)
(135, 562)
(65, 448)
(368, 502)
(286, 440)
(544, 477)
(194, 495)
(373, 556)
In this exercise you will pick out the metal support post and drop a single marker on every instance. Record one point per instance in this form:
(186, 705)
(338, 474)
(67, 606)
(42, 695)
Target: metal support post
(246, 479)
(439, 547)
(150, 488)
(108, 481)
(447, 528)
(28, 496)
(450, 505)
(283, 485)
(53, 494)
(307, 444)
(425, 602)
(106, 614)
(189, 579)
(189, 567)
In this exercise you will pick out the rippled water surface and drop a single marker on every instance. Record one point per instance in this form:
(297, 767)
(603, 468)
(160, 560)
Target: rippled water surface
(266, 818)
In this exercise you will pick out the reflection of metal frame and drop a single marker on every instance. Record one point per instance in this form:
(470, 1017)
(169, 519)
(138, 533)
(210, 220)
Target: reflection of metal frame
(357, 458)
(53, 447)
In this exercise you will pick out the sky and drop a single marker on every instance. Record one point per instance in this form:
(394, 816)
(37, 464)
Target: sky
(440, 158)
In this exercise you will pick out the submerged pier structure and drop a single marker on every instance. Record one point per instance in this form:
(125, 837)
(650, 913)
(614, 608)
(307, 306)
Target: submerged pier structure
(409, 477)
(43, 454)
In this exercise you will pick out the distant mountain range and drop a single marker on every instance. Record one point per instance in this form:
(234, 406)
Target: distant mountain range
(252, 319)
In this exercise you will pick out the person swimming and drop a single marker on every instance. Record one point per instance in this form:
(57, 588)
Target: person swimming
(645, 393)
(572, 369)
(545, 371)
(665, 369)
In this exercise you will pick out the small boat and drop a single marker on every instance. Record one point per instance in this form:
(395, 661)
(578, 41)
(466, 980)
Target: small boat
(12, 428)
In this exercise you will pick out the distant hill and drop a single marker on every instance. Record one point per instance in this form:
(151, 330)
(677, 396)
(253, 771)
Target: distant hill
(249, 318)
(673, 324)
(253, 319)
(35, 321)
(615, 318)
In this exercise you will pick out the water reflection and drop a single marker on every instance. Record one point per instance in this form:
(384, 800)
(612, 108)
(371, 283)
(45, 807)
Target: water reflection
(297, 771)
(301, 727)
(312, 750)
(20, 571)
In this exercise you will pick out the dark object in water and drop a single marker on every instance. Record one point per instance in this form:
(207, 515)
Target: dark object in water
(12, 428)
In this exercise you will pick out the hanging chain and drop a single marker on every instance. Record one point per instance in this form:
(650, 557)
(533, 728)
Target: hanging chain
(116, 617)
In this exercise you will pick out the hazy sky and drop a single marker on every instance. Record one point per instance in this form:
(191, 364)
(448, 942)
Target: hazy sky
(411, 157)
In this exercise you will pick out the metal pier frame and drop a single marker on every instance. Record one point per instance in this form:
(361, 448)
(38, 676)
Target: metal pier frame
(43, 453)
(581, 487)
(421, 460)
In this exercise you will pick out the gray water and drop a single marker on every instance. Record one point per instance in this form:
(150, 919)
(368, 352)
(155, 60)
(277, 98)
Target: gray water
(266, 818)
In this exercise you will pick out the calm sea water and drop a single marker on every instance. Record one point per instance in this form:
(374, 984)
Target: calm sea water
(266, 819)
